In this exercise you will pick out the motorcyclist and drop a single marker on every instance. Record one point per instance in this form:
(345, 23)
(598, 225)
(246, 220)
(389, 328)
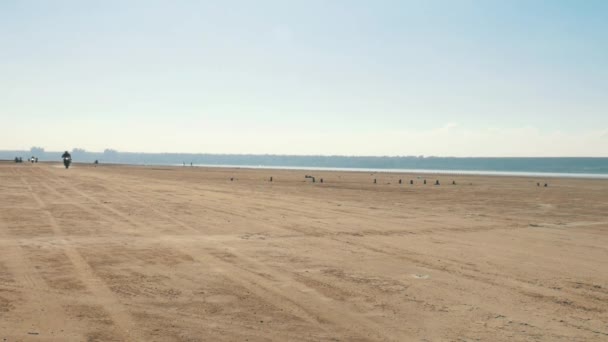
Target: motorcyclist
(67, 159)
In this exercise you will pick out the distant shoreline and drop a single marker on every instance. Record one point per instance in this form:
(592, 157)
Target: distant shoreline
(410, 171)
(571, 167)
(364, 170)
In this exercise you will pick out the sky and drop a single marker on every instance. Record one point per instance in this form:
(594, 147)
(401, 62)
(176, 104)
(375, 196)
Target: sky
(443, 78)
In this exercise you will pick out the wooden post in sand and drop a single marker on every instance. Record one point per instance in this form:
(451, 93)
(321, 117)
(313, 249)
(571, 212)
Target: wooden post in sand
(271, 178)
(321, 180)
(374, 180)
(400, 181)
(425, 181)
(437, 182)
(453, 182)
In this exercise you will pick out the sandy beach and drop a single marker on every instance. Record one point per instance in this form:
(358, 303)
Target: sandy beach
(125, 253)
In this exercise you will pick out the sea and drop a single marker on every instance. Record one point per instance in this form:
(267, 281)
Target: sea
(577, 167)
(414, 171)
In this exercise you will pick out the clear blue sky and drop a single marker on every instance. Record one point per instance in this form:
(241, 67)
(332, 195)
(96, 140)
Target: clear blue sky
(449, 78)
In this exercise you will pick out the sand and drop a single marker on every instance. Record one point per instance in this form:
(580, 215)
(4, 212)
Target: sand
(117, 253)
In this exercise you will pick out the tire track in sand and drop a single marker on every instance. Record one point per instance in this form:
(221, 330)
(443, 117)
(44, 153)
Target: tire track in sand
(117, 312)
(32, 292)
(36, 298)
(277, 289)
(454, 269)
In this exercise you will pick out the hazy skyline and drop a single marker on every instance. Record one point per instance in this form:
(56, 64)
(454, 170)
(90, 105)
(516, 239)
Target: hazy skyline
(446, 78)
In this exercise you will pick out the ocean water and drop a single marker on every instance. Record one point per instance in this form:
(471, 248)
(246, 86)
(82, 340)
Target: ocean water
(417, 171)
(536, 167)
(548, 167)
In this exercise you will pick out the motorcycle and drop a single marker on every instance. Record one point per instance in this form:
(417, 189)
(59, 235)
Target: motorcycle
(67, 161)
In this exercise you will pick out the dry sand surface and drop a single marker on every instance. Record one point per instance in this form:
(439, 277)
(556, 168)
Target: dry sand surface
(118, 253)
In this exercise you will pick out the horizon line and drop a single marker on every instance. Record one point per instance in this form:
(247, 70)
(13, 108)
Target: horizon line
(422, 156)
